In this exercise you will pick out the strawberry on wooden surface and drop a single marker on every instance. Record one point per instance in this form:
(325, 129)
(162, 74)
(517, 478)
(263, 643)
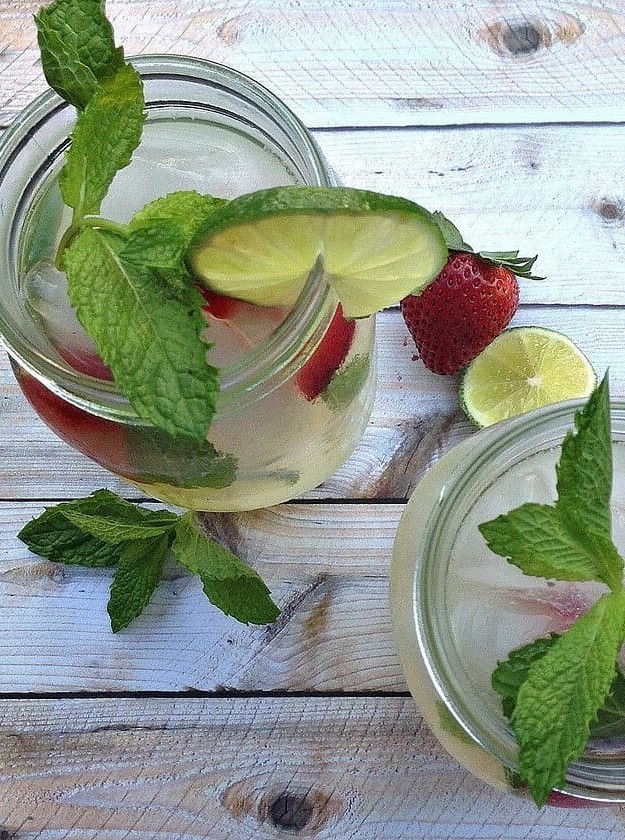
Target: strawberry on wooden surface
(468, 304)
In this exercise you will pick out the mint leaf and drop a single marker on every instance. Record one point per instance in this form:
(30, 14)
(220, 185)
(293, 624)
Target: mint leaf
(541, 542)
(511, 673)
(611, 718)
(150, 339)
(185, 210)
(584, 471)
(136, 577)
(160, 234)
(77, 48)
(563, 692)
(228, 583)
(347, 383)
(104, 138)
(124, 524)
(163, 458)
(157, 245)
(53, 536)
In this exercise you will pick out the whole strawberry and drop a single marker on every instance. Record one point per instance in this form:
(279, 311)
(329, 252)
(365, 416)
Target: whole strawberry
(470, 302)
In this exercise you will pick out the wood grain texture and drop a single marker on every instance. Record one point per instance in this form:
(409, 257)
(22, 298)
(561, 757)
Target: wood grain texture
(416, 418)
(327, 567)
(356, 768)
(555, 191)
(374, 63)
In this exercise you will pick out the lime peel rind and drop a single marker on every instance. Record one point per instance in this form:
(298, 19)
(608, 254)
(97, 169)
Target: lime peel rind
(375, 249)
(523, 369)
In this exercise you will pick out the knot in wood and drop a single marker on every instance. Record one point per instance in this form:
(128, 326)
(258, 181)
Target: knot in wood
(291, 812)
(517, 39)
(521, 38)
(610, 210)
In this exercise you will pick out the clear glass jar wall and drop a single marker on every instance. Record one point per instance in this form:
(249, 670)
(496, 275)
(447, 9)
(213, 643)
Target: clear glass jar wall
(457, 609)
(212, 129)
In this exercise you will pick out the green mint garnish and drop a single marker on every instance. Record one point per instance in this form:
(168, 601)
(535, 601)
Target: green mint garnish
(105, 530)
(557, 688)
(563, 693)
(104, 138)
(160, 234)
(128, 283)
(571, 539)
(146, 335)
(183, 462)
(584, 472)
(137, 575)
(77, 48)
(511, 673)
(347, 383)
(228, 583)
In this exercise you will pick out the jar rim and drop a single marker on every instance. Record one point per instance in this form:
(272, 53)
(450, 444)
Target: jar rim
(430, 628)
(304, 323)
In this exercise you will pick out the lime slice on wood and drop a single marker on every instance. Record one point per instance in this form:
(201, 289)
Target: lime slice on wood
(374, 248)
(522, 369)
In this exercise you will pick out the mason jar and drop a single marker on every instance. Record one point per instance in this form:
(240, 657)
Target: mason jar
(457, 608)
(296, 386)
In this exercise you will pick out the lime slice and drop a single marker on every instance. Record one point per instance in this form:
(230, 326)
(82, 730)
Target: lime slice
(375, 249)
(522, 369)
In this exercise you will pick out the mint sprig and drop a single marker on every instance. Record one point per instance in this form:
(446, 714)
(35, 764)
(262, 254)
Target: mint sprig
(556, 689)
(104, 138)
(77, 48)
(511, 673)
(128, 283)
(571, 539)
(164, 373)
(563, 693)
(105, 530)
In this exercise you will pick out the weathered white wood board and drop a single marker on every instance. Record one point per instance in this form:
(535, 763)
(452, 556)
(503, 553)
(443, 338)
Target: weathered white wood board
(416, 417)
(404, 62)
(326, 565)
(556, 191)
(226, 769)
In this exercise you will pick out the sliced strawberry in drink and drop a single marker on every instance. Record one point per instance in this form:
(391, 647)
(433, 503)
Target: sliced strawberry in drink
(84, 362)
(102, 440)
(332, 351)
(219, 306)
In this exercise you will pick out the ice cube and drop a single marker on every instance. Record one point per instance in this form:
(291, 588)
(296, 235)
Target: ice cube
(45, 292)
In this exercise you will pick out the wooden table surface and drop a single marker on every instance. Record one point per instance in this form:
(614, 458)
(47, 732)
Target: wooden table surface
(509, 116)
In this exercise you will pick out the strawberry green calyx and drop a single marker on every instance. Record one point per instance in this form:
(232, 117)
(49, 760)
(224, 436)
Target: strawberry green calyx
(520, 266)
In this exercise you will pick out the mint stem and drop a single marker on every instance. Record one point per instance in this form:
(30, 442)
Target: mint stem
(76, 227)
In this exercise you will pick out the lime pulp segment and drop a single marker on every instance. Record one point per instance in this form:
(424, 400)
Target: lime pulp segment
(374, 249)
(524, 368)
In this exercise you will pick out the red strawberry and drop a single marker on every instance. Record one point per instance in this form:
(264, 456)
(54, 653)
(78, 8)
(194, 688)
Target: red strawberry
(100, 439)
(461, 312)
(219, 306)
(470, 302)
(315, 375)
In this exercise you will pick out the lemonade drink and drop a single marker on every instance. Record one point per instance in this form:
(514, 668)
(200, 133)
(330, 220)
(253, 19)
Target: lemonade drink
(458, 608)
(273, 437)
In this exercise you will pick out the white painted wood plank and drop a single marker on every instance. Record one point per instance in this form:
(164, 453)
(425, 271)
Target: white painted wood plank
(346, 769)
(326, 566)
(555, 191)
(337, 62)
(416, 417)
